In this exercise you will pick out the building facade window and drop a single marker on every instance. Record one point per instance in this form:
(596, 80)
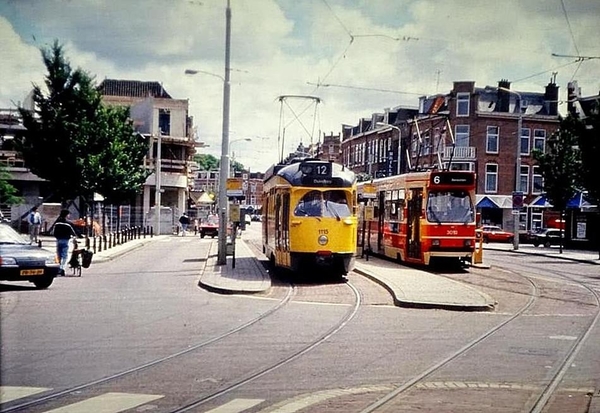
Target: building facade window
(461, 135)
(539, 140)
(537, 182)
(524, 179)
(525, 135)
(491, 178)
(462, 104)
(492, 139)
(164, 122)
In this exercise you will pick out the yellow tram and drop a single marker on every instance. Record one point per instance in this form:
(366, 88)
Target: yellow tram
(309, 217)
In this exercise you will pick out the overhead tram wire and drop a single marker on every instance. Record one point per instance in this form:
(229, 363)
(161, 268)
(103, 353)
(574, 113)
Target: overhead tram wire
(319, 84)
(562, 3)
(544, 72)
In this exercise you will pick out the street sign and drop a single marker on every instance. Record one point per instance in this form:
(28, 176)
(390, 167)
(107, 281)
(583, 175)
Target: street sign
(517, 200)
(234, 187)
(369, 191)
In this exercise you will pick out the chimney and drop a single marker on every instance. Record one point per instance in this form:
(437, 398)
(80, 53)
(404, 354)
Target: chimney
(503, 96)
(572, 95)
(551, 98)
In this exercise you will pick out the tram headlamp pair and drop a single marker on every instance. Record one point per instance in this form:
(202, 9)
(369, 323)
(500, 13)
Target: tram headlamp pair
(323, 240)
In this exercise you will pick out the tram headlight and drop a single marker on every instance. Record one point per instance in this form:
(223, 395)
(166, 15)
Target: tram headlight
(435, 243)
(468, 243)
(323, 240)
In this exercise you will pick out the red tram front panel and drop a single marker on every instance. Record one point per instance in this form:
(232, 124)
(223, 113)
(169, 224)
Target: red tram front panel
(424, 215)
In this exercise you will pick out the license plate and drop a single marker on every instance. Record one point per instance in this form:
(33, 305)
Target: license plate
(32, 272)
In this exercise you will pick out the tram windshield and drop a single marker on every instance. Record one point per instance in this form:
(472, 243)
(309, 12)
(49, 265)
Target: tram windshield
(331, 203)
(450, 206)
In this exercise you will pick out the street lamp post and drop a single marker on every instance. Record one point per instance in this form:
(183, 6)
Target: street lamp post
(158, 181)
(224, 170)
(233, 153)
(399, 141)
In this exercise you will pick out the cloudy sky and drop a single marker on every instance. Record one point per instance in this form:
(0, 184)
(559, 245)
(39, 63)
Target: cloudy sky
(357, 56)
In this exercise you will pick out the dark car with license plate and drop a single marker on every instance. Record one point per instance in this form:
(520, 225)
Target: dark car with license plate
(547, 237)
(20, 261)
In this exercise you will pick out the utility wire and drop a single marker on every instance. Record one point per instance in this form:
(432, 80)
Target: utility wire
(545, 71)
(319, 84)
(562, 3)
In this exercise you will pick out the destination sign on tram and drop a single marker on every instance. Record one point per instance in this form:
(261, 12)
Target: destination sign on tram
(452, 178)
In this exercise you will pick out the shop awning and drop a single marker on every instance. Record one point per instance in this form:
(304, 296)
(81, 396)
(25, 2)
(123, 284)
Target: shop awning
(540, 202)
(580, 201)
(493, 201)
(485, 202)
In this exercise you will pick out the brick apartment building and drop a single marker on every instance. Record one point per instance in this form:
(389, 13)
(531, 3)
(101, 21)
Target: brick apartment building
(469, 128)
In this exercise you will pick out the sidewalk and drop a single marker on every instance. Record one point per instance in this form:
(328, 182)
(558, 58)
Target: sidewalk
(586, 256)
(49, 243)
(410, 287)
(248, 276)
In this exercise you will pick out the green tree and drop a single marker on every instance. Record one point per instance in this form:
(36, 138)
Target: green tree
(8, 193)
(62, 131)
(237, 167)
(206, 162)
(118, 169)
(560, 165)
(589, 144)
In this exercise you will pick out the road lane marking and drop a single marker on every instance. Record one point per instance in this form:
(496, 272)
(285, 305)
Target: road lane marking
(107, 403)
(10, 393)
(303, 401)
(236, 406)
(568, 338)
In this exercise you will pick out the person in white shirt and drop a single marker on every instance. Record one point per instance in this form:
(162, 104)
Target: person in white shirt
(35, 222)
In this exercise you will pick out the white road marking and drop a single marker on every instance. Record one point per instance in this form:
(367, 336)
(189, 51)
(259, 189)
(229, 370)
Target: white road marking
(569, 338)
(9, 393)
(107, 403)
(236, 405)
(301, 402)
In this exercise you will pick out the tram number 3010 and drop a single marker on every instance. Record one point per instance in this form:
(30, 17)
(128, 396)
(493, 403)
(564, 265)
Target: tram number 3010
(452, 232)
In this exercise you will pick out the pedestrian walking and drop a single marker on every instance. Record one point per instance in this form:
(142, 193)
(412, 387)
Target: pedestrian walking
(184, 220)
(63, 232)
(35, 222)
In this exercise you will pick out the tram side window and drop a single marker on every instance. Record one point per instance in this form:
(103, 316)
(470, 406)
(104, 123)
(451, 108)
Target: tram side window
(309, 205)
(336, 204)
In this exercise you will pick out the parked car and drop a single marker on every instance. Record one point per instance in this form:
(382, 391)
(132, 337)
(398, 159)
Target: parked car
(493, 233)
(20, 261)
(547, 237)
(209, 226)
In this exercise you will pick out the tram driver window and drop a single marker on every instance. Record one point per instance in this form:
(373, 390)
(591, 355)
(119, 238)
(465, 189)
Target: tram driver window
(336, 204)
(309, 205)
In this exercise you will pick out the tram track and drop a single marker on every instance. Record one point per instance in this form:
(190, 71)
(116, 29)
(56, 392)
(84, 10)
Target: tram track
(195, 347)
(545, 391)
(348, 316)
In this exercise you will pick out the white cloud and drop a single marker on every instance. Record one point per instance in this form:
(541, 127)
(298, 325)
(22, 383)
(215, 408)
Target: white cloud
(278, 47)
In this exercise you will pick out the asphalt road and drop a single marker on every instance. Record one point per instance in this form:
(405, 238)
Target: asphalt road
(138, 334)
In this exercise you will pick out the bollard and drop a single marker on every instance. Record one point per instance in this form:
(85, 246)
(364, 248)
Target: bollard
(94, 245)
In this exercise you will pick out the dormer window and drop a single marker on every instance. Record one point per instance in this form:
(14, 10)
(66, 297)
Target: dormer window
(462, 104)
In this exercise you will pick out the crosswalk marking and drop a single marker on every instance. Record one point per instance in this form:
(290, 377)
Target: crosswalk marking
(107, 403)
(236, 406)
(9, 393)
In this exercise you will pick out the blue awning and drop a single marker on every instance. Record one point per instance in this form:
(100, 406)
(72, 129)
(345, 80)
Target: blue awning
(540, 202)
(579, 201)
(485, 202)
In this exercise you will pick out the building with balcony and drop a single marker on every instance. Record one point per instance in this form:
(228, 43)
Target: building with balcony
(171, 146)
(469, 128)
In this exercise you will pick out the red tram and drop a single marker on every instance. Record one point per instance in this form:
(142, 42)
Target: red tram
(419, 216)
